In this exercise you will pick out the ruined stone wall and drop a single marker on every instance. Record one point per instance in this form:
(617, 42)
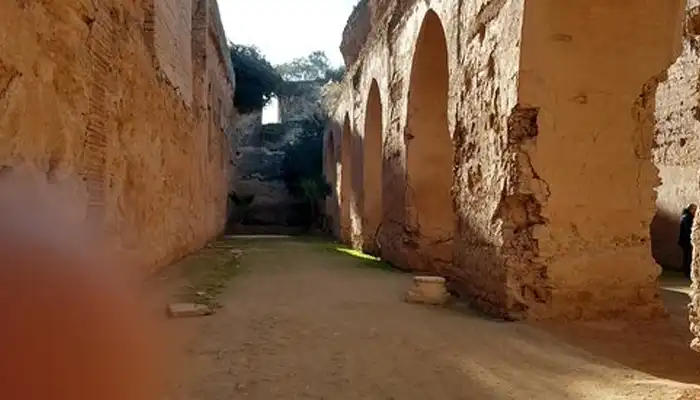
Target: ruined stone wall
(483, 51)
(594, 159)
(677, 147)
(260, 175)
(245, 127)
(684, 129)
(83, 94)
(220, 72)
(173, 32)
(356, 31)
(551, 128)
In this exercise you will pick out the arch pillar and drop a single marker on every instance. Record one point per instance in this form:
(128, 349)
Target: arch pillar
(580, 197)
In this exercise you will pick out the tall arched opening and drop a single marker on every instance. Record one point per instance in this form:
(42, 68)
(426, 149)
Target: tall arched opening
(372, 169)
(429, 150)
(331, 172)
(347, 196)
(330, 166)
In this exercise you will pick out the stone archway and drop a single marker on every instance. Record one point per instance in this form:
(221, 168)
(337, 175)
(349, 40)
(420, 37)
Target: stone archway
(429, 151)
(347, 195)
(372, 169)
(330, 158)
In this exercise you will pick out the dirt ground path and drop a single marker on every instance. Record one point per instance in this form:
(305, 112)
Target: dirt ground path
(303, 321)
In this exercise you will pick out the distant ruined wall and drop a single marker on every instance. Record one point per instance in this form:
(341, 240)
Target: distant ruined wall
(261, 151)
(260, 175)
(246, 127)
(107, 91)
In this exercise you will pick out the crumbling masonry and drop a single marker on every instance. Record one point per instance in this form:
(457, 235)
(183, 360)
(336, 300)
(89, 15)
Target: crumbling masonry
(507, 144)
(135, 98)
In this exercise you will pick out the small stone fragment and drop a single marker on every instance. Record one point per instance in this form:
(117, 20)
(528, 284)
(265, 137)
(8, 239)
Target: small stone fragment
(430, 280)
(428, 290)
(188, 310)
(695, 345)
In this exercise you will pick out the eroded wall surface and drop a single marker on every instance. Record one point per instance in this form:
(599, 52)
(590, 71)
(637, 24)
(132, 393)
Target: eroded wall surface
(552, 113)
(677, 149)
(593, 147)
(84, 95)
(483, 43)
(173, 33)
(677, 145)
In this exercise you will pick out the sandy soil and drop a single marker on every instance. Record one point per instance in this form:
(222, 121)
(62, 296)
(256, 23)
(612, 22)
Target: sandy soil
(304, 321)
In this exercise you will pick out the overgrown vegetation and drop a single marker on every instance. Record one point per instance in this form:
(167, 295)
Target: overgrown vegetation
(257, 81)
(241, 206)
(208, 272)
(314, 67)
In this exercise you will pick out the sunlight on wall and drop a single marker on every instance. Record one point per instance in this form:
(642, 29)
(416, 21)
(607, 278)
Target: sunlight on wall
(271, 112)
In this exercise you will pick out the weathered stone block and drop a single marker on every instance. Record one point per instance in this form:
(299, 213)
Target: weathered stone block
(188, 310)
(428, 290)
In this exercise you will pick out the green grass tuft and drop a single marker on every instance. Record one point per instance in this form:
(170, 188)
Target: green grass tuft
(208, 273)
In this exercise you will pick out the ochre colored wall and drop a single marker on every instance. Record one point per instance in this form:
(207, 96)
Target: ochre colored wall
(481, 95)
(552, 109)
(584, 66)
(84, 95)
(677, 145)
(173, 33)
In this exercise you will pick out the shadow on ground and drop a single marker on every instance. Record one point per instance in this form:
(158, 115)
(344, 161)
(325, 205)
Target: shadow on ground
(659, 348)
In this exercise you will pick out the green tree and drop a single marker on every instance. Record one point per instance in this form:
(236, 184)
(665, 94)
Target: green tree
(316, 66)
(257, 81)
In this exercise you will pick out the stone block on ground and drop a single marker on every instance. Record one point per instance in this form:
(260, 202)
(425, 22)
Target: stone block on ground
(188, 310)
(428, 290)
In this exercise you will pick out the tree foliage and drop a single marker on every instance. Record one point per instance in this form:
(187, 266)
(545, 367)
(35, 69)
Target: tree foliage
(314, 67)
(257, 81)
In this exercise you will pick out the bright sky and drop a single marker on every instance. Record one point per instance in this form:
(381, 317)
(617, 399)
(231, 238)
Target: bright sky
(287, 29)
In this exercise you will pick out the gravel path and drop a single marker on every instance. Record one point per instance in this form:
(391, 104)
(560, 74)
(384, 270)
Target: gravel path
(307, 322)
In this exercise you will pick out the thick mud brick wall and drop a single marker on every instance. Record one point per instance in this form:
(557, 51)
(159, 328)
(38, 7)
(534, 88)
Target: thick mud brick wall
(173, 39)
(516, 154)
(102, 92)
(677, 143)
